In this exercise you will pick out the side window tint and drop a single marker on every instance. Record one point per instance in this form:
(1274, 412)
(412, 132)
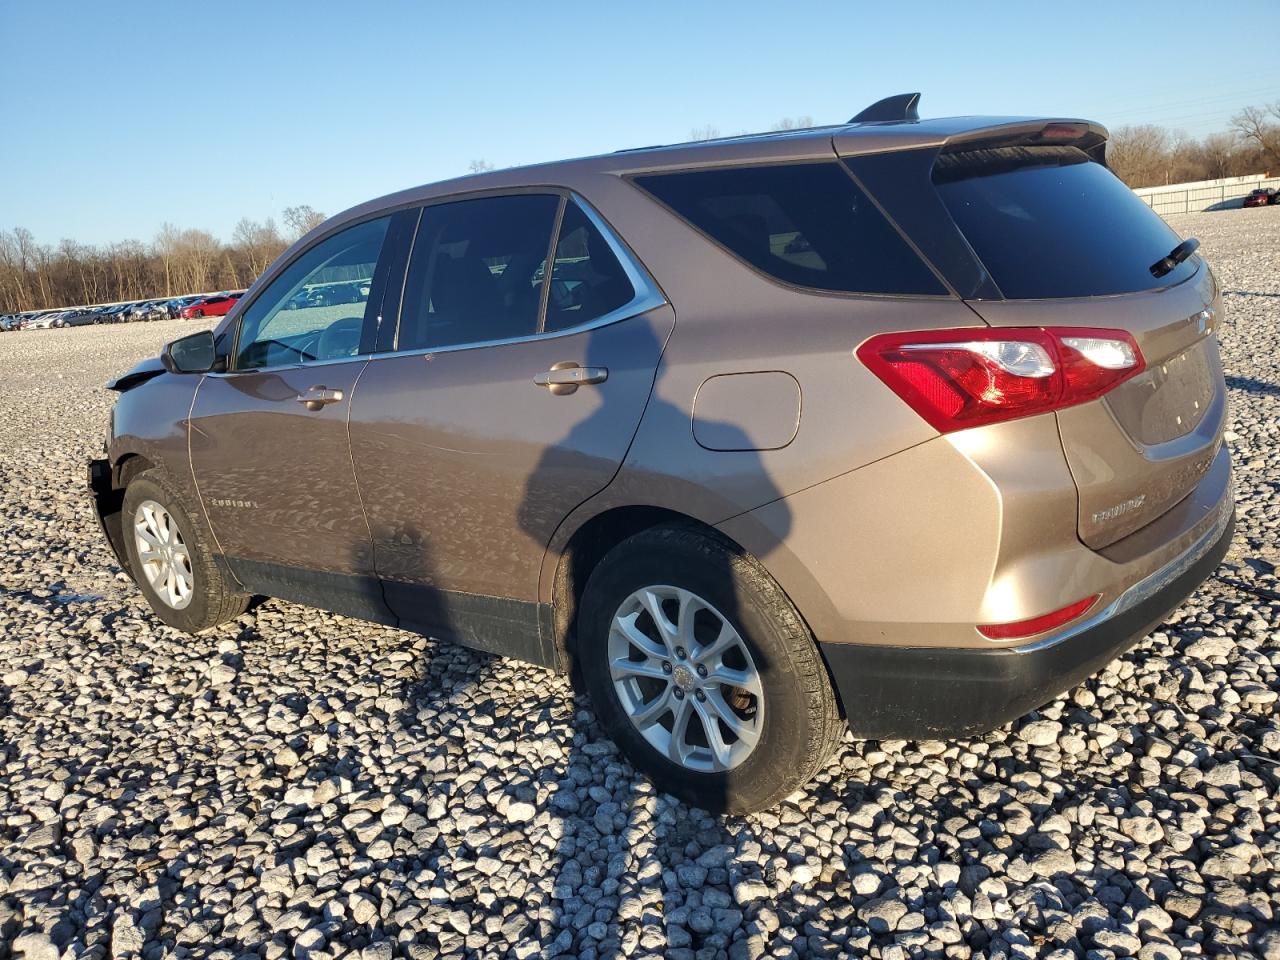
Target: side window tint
(587, 281)
(315, 309)
(806, 224)
(477, 271)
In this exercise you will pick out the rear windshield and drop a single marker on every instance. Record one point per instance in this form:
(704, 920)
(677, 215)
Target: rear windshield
(1047, 222)
(806, 224)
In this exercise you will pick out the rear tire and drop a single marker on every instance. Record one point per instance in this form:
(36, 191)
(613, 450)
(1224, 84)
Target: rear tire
(177, 574)
(785, 722)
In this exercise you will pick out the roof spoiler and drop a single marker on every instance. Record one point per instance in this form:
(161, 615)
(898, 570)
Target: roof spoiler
(901, 106)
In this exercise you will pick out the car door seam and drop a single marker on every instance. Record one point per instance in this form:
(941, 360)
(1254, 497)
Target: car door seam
(355, 479)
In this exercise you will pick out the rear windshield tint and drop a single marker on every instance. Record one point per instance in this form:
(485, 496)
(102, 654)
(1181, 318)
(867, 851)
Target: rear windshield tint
(804, 224)
(1047, 222)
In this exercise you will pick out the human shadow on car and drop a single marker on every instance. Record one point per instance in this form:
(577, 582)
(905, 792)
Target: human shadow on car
(639, 872)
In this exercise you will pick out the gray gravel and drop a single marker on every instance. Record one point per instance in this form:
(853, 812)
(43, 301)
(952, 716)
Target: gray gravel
(302, 785)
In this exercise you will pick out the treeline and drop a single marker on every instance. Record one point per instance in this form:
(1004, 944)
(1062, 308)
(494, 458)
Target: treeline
(35, 276)
(1149, 156)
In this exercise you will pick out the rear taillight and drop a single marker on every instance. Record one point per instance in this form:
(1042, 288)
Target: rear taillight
(1029, 628)
(972, 377)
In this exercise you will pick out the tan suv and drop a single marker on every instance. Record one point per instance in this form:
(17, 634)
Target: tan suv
(909, 425)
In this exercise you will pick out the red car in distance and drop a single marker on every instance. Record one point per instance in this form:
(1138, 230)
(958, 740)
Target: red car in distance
(1262, 197)
(215, 306)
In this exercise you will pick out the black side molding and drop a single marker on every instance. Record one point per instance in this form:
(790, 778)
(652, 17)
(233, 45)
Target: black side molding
(499, 625)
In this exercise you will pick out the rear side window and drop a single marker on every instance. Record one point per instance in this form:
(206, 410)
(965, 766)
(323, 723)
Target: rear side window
(477, 270)
(1048, 222)
(587, 281)
(804, 224)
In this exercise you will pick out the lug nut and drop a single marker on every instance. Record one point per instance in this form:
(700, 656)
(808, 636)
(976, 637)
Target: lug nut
(700, 695)
(702, 671)
(666, 666)
(679, 694)
(680, 652)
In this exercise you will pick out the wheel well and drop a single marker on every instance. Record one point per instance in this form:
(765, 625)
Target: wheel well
(128, 467)
(585, 549)
(110, 503)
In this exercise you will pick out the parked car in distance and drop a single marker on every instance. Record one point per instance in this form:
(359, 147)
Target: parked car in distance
(1263, 196)
(215, 306)
(1008, 464)
(81, 317)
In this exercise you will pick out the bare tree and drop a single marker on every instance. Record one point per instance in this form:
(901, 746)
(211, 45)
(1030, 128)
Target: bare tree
(166, 247)
(1218, 154)
(14, 270)
(197, 254)
(704, 133)
(802, 122)
(258, 243)
(1259, 126)
(1139, 155)
(480, 166)
(301, 219)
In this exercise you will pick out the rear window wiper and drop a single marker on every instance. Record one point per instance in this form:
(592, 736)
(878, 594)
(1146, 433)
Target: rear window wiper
(1179, 253)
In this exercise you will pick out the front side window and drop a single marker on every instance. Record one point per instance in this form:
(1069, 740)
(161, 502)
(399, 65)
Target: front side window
(806, 224)
(477, 271)
(315, 309)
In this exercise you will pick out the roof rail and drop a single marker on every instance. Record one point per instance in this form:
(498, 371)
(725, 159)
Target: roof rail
(901, 106)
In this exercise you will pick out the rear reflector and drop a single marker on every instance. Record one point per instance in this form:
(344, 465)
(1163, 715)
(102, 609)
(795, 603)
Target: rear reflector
(972, 377)
(1028, 628)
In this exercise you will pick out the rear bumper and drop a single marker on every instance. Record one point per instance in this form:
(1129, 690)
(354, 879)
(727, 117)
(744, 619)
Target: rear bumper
(919, 693)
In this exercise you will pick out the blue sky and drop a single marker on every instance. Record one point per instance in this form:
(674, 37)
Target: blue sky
(120, 116)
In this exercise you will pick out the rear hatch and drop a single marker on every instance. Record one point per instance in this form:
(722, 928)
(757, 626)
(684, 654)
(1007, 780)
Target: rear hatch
(1055, 240)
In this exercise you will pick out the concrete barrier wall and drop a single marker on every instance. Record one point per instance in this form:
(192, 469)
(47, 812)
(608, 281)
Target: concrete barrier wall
(1204, 194)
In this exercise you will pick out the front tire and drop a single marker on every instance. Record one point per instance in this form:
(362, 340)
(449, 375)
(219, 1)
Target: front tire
(171, 561)
(703, 671)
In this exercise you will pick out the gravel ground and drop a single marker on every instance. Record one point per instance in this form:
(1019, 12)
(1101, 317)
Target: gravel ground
(297, 784)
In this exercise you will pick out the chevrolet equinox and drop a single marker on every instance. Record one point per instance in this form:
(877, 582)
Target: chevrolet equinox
(900, 425)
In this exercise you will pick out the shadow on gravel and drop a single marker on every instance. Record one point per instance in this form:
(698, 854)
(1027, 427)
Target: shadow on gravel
(1250, 385)
(1020, 815)
(1252, 293)
(636, 873)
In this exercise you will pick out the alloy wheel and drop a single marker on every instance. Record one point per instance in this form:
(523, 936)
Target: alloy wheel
(163, 554)
(686, 679)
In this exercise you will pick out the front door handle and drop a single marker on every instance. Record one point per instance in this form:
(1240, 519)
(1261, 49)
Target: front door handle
(317, 397)
(565, 377)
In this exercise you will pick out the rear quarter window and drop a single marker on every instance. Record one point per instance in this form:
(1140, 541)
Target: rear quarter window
(805, 224)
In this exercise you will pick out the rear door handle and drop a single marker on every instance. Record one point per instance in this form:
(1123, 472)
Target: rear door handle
(317, 397)
(565, 377)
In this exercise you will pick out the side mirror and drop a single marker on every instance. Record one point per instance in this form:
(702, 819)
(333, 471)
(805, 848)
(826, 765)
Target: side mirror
(191, 354)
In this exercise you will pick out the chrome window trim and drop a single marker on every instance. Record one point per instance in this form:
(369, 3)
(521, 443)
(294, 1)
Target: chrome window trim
(1150, 585)
(647, 297)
